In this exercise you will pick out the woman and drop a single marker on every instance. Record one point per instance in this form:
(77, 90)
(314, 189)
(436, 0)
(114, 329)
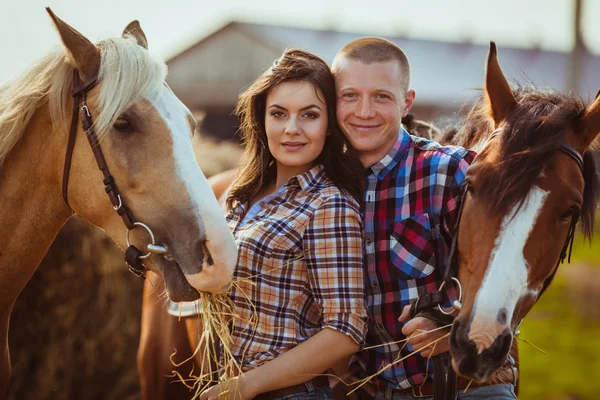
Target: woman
(294, 211)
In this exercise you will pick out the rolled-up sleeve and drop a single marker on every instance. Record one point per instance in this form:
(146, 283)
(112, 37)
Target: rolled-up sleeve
(333, 253)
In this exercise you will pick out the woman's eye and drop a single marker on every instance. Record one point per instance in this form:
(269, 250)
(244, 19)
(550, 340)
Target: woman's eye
(277, 114)
(573, 210)
(310, 115)
(121, 124)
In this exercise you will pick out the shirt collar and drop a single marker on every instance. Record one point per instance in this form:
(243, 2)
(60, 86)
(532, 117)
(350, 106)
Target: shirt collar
(309, 178)
(391, 159)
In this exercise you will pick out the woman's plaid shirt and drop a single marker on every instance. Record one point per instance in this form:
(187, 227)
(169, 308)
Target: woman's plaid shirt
(411, 203)
(299, 270)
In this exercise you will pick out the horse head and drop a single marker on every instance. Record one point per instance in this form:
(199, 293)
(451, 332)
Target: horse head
(526, 190)
(145, 135)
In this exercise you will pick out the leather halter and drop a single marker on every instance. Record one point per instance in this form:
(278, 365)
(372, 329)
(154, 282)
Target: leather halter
(82, 112)
(445, 376)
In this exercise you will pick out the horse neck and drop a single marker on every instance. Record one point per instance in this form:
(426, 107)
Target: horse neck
(33, 210)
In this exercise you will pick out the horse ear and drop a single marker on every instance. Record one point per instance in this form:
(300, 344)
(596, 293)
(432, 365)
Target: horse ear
(134, 29)
(590, 123)
(500, 96)
(80, 51)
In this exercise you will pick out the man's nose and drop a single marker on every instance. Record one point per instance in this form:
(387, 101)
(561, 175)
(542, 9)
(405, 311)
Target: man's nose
(365, 110)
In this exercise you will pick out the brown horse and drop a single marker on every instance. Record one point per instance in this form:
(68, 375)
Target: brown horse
(533, 177)
(140, 132)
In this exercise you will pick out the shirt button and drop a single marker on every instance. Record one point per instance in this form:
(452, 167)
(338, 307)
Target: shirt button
(369, 242)
(375, 284)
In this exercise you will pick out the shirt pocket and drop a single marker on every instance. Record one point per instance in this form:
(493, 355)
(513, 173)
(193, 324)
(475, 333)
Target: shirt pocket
(412, 247)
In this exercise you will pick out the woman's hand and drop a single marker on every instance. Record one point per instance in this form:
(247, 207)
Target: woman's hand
(232, 389)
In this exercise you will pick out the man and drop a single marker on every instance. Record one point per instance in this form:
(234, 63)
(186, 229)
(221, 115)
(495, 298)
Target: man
(412, 196)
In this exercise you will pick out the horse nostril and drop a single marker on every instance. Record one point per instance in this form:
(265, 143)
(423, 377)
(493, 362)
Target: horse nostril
(499, 349)
(203, 254)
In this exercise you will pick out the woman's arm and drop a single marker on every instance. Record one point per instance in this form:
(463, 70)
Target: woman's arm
(298, 365)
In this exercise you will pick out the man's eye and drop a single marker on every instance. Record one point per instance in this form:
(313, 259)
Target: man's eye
(382, 96)
(348, 95)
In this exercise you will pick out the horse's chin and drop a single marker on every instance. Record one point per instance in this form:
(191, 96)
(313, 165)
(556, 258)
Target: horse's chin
(177, 286)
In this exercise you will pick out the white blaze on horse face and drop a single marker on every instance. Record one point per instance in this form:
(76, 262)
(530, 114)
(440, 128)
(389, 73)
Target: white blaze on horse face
(505, 281)
(210, 218)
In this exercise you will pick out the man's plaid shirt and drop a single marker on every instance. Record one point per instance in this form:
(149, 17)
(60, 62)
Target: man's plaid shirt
(411, 203)
(300, 263)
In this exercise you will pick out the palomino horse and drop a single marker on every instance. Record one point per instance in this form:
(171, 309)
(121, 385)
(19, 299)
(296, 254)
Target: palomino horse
(145, 134)
(532, 179)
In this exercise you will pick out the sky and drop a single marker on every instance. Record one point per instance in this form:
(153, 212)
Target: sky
(26, 33)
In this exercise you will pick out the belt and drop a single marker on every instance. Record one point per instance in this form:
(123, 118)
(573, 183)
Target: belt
(316, 383)
(504, 375)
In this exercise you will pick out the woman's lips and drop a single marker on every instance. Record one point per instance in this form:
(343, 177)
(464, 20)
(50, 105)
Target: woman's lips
(293, 146)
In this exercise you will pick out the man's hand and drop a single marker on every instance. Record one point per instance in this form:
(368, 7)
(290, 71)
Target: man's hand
(416, 329)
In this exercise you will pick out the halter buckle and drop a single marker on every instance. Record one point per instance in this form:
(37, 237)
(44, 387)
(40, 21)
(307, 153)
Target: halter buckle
(456, 304)
(152, 248)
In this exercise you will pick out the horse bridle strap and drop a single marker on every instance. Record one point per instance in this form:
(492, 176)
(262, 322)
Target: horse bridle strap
(81, 112)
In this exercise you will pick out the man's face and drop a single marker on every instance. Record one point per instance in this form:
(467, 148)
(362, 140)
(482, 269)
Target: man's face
(370, 105)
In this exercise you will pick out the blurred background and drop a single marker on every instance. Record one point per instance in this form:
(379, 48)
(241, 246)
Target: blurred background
(75, 328)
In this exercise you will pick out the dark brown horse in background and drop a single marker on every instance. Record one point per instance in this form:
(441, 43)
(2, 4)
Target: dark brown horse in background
(524, 197)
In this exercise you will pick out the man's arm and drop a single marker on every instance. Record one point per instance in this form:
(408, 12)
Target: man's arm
(416, 329)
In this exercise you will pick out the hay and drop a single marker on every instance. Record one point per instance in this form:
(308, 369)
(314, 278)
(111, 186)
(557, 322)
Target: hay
(74, 329)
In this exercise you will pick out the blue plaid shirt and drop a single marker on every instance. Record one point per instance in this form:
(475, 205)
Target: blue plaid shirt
(411, 203)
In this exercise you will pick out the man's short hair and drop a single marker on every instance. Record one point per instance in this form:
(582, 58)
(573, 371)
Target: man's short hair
(371, 50)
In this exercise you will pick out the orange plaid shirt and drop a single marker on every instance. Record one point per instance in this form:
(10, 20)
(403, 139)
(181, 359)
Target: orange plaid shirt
(299, 270)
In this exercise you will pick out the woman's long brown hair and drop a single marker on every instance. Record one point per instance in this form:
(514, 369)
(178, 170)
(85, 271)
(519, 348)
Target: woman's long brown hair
(339, 159)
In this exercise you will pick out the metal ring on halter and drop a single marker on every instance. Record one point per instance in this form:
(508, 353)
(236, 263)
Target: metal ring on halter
(147, 228)
(456, 304)
(117, 208)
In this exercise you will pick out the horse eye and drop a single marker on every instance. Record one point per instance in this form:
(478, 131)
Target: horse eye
(121, 124)
(471, 189)
(569, 213)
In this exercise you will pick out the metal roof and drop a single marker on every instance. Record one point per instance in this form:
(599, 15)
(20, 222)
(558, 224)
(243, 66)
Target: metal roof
(443, 74)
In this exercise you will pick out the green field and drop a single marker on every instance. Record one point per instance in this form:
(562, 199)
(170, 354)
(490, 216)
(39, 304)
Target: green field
(571, 338)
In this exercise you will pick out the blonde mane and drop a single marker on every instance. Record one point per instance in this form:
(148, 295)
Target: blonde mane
(127, 73)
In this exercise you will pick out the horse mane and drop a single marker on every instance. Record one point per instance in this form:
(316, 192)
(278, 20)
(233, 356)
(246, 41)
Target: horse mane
(532, 134)
(127, 71)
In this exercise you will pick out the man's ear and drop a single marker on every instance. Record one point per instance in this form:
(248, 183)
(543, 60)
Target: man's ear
(409, 100)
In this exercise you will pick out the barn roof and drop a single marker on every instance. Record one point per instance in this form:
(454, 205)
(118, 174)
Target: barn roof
(212, 72)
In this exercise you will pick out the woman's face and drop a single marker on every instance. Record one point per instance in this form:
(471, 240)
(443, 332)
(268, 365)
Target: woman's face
(296, 125)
